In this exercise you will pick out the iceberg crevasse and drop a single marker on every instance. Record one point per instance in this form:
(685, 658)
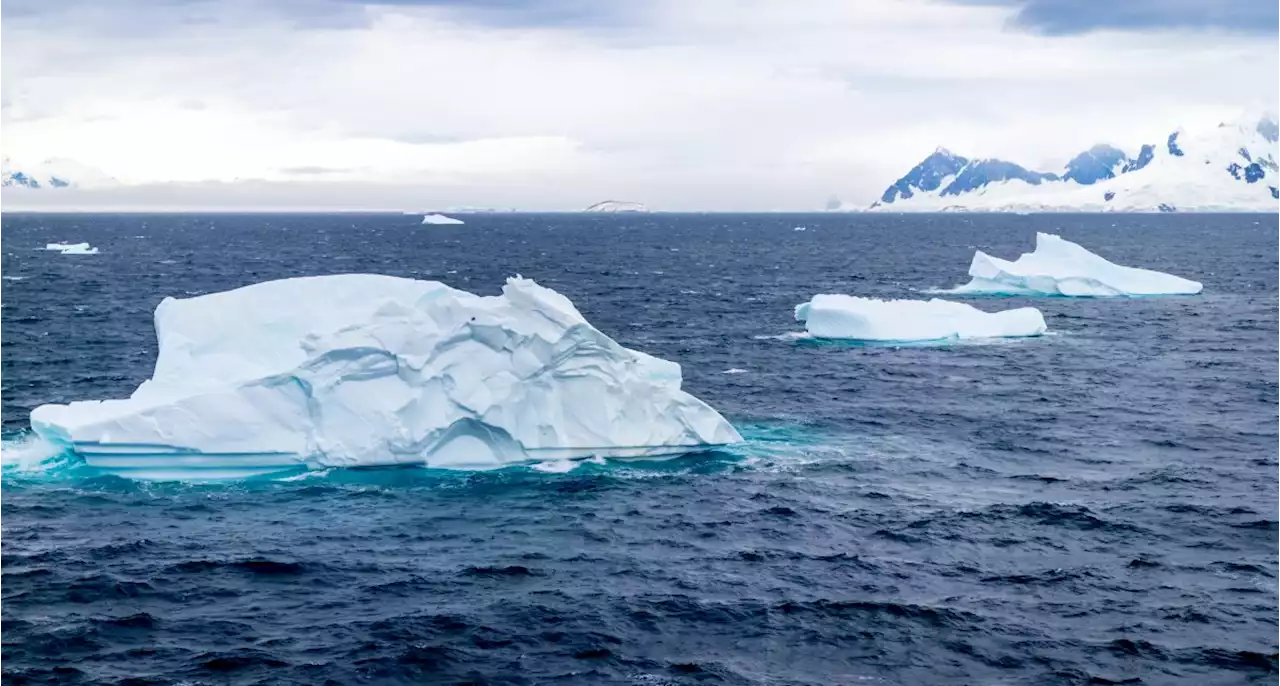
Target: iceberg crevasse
(870, 319)
(368, 370)
(1060, 267)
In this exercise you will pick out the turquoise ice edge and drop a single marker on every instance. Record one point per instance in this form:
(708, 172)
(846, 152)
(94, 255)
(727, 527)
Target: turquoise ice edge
(27, 460)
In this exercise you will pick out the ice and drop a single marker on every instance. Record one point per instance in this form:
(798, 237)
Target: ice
(72, 248)
(870, 319)
(369, 370)
(439, 219)
(1060, 267)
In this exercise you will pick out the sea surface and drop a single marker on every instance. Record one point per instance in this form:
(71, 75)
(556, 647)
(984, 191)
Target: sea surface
(1097, 506)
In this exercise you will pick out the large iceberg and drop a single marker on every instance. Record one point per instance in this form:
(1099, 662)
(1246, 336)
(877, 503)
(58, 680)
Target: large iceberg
(366, 370)
(1060, 267)
(901, 321)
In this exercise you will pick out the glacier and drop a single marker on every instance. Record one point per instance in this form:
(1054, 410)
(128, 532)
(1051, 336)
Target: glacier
(1234, 166)
(439, 219)
(903, 321)
(72, 248)
(1060, 267)
(361, 370)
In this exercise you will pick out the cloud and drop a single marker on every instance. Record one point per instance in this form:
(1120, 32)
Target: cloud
(683, 105)
(1061, 17)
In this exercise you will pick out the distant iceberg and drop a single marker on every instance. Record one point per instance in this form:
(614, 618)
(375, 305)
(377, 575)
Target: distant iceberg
(72, 248)
(617, 206)
(870, 319)
(1060, 267)
(439, 219)
(369, 370)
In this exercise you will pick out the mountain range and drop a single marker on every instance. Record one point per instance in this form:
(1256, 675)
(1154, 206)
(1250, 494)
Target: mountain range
(51, 173)
(1232, 167)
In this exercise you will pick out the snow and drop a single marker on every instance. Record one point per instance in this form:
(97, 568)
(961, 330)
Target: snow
(72, 248)
(1060, 267)
(617, 206)
(870, 319)
(439, 219)
(1199, 180)
(370, 370)
(53, 173)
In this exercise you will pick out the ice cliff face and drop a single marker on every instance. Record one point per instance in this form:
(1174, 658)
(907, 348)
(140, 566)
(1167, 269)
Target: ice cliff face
(1232, 167)
(367, 370)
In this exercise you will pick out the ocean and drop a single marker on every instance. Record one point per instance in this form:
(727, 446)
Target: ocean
(1096, 506)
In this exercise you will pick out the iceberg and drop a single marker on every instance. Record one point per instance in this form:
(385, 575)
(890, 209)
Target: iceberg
(1060, 267)
(72, 248)
(902, 321)
(617, 206)
(439, 219)
(362, 370)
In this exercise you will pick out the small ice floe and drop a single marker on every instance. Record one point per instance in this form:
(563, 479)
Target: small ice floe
(439, 219)
(72, 248)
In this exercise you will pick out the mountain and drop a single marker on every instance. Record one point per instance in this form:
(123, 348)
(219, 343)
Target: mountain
(1233, 167)
(52, 173)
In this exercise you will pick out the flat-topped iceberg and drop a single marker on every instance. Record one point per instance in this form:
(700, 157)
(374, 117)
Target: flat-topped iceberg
(1060, 267)
(365, 370)
(869, 319)
(439, 219)
(72, 248)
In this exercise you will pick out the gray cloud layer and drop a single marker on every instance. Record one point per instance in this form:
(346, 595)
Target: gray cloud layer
(1062, 17)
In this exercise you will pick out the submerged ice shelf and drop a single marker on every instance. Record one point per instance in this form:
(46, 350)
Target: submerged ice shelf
(367, 370)
(1060, 267)
(869, 319)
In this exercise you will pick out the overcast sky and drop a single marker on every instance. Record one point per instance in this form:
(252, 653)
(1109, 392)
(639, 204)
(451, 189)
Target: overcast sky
(681, 104)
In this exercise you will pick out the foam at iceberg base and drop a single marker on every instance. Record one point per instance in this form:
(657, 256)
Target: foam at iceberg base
(365, 370)
(1060, 267)
(869, 319)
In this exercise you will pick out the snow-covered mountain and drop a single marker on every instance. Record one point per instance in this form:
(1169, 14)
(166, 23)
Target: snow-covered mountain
(51, 174)
(1233, 167)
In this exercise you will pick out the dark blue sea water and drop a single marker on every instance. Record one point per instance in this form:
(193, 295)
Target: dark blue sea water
(1098, 506)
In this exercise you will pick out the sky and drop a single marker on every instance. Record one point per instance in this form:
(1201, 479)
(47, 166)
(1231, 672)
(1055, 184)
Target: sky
(751, 105)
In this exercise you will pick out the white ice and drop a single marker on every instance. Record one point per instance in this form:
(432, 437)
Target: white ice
(869, 319)
(72, 248)
(369, 370)
(439, 219)
(1060, 267)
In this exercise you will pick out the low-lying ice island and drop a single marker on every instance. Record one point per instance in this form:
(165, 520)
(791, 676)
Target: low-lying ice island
(365, 370)
(848, 317)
